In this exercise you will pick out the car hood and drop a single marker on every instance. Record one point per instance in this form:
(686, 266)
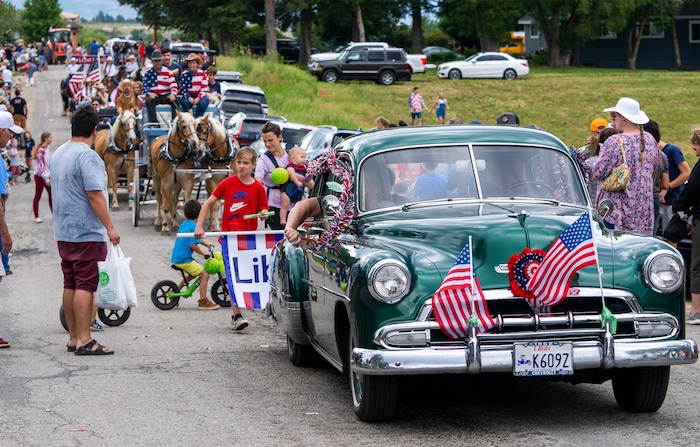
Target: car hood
(440, 236)
(324, 57)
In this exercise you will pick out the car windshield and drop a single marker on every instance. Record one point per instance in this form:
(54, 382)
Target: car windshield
(240, 94)
(231, 107)
(458, 172)
(314, 142)
(251, 130)
(293, 136)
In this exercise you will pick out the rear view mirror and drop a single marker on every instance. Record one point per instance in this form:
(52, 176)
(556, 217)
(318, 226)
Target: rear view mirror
(329, 205)
(605, 208)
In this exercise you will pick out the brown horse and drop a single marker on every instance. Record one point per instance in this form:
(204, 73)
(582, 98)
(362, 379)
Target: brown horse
(116, 147)
(172, 160)
(215, 155)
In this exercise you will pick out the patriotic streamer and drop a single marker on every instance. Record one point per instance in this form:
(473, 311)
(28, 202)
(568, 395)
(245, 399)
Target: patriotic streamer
(328, 161)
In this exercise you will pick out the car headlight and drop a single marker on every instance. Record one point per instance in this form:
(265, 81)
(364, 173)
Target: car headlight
(663, 271)
(389, 281)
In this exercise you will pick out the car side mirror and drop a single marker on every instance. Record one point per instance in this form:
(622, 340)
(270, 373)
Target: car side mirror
(329, 205)
(605, 208)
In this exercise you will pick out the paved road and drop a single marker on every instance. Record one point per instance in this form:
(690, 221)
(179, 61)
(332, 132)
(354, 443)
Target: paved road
(183, 378)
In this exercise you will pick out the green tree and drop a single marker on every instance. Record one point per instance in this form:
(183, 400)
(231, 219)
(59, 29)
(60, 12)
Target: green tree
(88, 34)
(9, 21)
(657, 13)
(151, 13)
(479, 23)
(37, 16)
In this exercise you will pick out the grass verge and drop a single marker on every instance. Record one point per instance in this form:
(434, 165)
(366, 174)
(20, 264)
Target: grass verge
(562, 101)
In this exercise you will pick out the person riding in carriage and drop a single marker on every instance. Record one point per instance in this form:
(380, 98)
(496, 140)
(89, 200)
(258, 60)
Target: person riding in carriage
(194, 87)
(110, 74)
(159, 86)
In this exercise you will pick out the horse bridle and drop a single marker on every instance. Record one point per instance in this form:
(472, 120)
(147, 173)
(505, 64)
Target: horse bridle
(125, 128)
(208, 151)
(187, 153)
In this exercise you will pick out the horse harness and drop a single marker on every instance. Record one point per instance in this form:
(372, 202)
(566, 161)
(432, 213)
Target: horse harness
(222, 161)
(112, 146)
(164, 153)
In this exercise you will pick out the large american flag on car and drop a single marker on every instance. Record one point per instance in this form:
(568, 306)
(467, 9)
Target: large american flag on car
(460, 297)
(572, 251)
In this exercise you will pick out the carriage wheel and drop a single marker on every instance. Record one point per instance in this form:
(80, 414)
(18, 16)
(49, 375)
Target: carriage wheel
(136, 191)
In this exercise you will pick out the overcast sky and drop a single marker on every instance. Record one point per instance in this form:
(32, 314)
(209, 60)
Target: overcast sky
(88, 9)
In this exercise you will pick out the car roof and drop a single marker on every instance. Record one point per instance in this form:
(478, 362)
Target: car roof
(369, 143)
(246, 88)
(229, 76)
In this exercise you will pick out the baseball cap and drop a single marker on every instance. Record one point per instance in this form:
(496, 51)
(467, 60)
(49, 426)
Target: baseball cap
(508, 119)
(156, 56)
(597, 124)
(6, 122)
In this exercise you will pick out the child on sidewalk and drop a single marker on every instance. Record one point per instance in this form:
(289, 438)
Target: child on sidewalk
(293, 190)
(242, 195)
(15, 163)
(182, 254)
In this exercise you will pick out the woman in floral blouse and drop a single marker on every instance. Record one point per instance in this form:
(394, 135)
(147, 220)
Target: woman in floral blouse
(634, 206)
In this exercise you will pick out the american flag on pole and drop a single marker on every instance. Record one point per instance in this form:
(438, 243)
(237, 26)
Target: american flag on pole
(76, 83)
(94, 70)
(459, 297)
(248, 264)
(572, 251)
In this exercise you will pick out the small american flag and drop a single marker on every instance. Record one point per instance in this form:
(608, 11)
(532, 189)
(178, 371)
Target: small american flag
(452, 303)
(572, 251)
(94, 70)
(76, 83)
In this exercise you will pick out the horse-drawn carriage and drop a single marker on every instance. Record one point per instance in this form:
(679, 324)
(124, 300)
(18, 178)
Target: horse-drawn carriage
(177, 153)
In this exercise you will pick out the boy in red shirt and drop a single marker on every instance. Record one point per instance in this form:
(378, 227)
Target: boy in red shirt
(242, 195)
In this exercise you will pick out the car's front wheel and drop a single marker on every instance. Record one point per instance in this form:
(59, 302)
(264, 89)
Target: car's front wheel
(641, 390)
(510, 74)
(300, 355)
(454, 74)
(374, 398)
(330, 76)
(387, 77)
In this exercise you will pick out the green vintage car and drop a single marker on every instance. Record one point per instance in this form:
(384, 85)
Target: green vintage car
(402, 204)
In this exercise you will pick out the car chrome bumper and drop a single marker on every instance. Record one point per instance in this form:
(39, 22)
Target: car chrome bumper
(587, 355)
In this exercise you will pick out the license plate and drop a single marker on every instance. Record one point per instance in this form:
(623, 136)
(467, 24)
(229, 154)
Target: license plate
(543, 358)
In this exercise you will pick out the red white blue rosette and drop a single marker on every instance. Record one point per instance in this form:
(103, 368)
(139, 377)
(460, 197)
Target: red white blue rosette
(521, 267)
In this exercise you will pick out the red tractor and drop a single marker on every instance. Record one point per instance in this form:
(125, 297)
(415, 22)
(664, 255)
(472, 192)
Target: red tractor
(58, 38)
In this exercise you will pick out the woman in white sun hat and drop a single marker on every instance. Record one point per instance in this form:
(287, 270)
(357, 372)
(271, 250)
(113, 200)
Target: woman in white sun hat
(634, 206)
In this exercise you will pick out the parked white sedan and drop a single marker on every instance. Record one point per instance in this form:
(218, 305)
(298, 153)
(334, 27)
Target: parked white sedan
(485, 65)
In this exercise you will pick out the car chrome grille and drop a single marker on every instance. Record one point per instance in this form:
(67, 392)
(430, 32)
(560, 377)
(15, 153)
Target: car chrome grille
(578, 317)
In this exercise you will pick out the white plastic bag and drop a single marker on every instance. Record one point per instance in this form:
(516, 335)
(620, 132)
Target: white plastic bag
(127, 281)
(110, 292)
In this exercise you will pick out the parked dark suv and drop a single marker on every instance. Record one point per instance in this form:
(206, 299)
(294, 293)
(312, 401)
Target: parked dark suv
(384, 65)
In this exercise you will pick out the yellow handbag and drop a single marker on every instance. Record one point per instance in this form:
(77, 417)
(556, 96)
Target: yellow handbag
(619, 178)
